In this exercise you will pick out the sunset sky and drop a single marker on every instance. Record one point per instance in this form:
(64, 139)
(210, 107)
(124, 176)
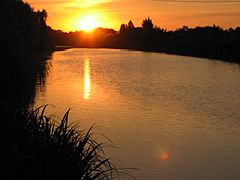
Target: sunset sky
(68, 15)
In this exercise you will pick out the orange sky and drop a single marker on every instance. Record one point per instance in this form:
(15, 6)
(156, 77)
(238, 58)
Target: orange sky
(168, 14)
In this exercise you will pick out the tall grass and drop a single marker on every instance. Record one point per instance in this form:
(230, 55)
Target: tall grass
(35, 146)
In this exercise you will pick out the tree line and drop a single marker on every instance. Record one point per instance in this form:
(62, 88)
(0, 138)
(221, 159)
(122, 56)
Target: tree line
(210, 41)
(24, 32)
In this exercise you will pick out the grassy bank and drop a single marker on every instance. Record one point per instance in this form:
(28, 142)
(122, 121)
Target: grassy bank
(35, 146)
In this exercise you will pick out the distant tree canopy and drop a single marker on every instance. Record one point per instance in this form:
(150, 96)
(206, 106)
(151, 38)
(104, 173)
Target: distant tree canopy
(130, 24)
(127, 26)
(123, 27)
(97, 38)
(147, 24)
(210, 41)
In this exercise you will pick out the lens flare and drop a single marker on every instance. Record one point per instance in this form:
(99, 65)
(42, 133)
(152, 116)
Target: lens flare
(164, 156)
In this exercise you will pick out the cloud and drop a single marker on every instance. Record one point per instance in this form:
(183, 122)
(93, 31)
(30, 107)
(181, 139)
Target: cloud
(85, 3)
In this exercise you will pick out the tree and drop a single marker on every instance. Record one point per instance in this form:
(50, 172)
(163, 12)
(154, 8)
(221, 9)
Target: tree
(130, 25)
(147, 24)
(122, 28)
(44, 15)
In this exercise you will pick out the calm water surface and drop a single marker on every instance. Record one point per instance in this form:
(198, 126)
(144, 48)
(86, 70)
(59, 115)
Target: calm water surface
(172, 117)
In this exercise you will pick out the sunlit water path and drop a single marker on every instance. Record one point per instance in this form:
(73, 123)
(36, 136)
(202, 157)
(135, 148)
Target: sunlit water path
(172, 117)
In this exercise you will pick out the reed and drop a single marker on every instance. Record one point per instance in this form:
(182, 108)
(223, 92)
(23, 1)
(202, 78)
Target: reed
(38, 147)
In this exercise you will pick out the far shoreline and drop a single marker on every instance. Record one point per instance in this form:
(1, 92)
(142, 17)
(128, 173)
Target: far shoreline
(63, 48)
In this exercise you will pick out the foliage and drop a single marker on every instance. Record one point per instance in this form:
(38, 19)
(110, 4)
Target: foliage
(130, 24)
(97, 38)
(25, 43)
(210, 41)
(23, 31)
(147, 24)
(35, 146)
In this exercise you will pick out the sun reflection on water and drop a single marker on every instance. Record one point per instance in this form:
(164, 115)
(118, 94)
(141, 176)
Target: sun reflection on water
(87, 80)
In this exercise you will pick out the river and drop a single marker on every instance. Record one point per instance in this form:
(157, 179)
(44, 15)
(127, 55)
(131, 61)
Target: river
(170, 117)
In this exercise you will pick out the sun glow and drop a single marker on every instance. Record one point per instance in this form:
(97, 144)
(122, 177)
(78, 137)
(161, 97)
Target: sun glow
(88, 23)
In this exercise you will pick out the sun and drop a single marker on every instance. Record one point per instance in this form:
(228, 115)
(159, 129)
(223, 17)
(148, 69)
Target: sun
(88, 23)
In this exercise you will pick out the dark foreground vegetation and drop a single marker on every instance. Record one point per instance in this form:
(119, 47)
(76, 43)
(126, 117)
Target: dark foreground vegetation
(34, 146)
(25, 44)
(23, 31)
(210, 41)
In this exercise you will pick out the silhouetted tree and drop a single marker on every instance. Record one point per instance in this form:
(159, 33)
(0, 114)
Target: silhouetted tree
(122, 28)
(130, 25)
(209, 41)
(147, 24)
